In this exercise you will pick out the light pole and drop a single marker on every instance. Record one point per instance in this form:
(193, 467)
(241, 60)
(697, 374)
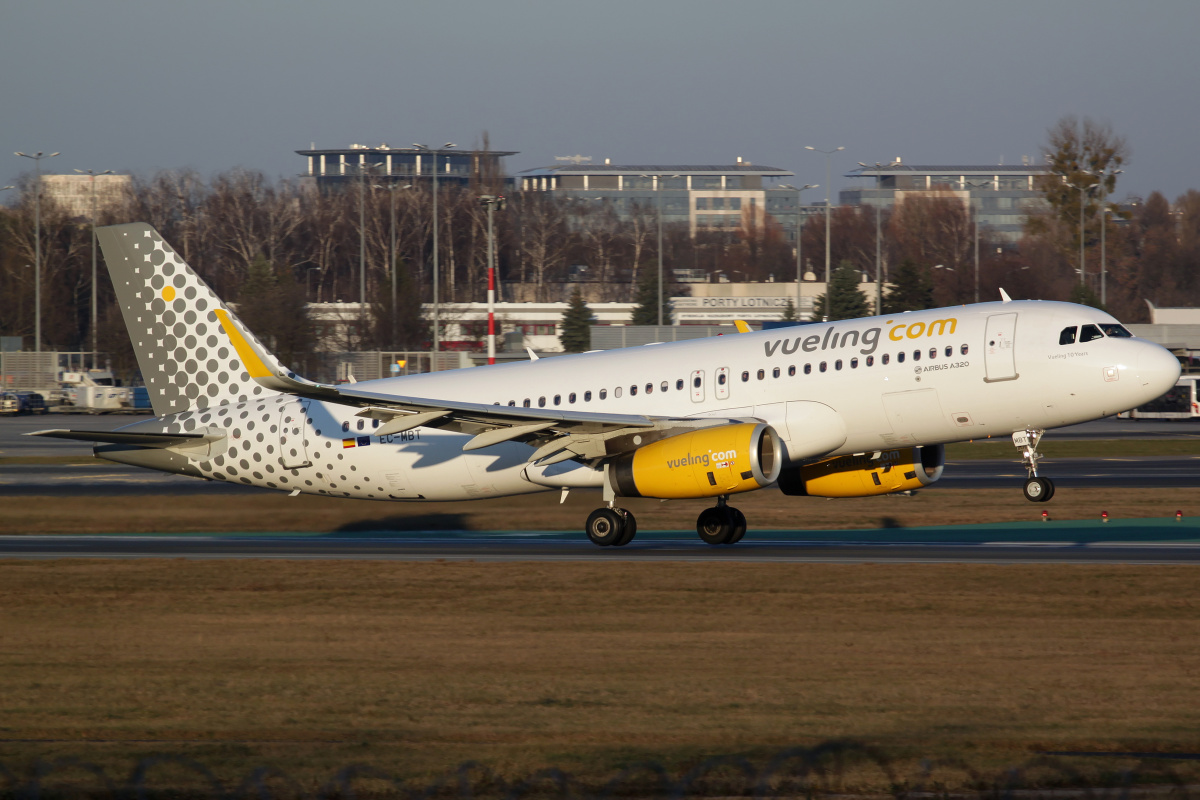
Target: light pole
(364, 169)
(491, 203)
(436, 308)
(1083, 189)
(37, 244)
(975, 223)
(658, 186)
(878, 236)
(308, 282)
(799, 236)
(828, 179)
(392, 187)
(92, 179)
(1104, 212)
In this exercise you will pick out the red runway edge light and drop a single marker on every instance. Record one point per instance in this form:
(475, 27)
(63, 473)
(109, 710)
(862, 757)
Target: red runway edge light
(1104, 516)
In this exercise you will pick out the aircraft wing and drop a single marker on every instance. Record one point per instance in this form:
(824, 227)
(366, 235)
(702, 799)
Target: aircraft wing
(557, 434)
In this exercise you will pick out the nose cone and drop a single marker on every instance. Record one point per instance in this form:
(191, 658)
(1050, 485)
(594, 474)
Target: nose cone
(1158, 370)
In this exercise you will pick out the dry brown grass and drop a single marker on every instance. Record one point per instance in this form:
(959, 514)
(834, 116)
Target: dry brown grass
(766, 510)
(414, 666)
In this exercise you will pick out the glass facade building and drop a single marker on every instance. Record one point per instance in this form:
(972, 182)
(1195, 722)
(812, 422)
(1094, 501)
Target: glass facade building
(1002, 196)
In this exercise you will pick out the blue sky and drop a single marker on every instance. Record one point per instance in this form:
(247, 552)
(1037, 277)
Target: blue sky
(133, 85)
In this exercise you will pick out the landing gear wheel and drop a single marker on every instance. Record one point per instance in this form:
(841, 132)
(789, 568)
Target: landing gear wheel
(715, 525)
(1038, 490)
(739, 526)
(1049, 494)
(605, 527)
(628, 527)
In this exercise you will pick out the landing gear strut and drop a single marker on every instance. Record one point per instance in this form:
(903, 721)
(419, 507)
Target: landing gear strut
(1037, 489)
(611, 527)
(721, 524)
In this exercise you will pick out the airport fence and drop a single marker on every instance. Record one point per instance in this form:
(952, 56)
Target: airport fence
(838, 770)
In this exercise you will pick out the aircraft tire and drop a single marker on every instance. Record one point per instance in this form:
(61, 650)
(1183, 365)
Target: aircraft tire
(628, 527)
(605, 527)
(1038, 490)
(739, 526)
(715, 525)
(1049, 494)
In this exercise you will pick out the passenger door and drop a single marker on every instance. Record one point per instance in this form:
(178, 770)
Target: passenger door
(999, 354)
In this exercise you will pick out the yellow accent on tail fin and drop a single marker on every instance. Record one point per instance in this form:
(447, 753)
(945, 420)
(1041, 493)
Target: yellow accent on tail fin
(250, 357)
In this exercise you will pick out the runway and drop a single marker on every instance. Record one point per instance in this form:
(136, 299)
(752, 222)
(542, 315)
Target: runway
(1154, 541)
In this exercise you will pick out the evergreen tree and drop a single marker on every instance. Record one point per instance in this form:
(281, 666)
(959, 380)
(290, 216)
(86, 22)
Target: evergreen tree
(912, 289)
(789, 312)
(646, 312)
(272, 304)
(409, 330)
(845, 301)
(1084, 296)
(576, 336)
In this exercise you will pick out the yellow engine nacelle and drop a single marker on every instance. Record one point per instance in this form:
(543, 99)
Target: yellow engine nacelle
(725, 459)
(863, 475)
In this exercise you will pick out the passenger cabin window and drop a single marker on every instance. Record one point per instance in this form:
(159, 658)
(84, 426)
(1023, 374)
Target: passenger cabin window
(662, 387)
(775, 372)
(949, 350)
(679, 385)
(823, 366)
(1089, 332)
(916, 355)
(649, 388)
(587, 397)
(808, 369)
(1113, 331)
(526, 403)
(933, 352)
(603, 394)
(617, 392)
(1068, 335)
(870, 361)
(745, 377)
(696, 380)
(512, 402)
(854, 363)
(964, 349)
(899, 357)
(345, 427)
(557, 399)
(837, 364)
(571, 397)
(886, 358)
(633, 390)
(792, 371)
(762, 373)
(541, 402)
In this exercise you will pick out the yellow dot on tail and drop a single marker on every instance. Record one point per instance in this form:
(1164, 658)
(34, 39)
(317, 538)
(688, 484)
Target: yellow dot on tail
(169, 293)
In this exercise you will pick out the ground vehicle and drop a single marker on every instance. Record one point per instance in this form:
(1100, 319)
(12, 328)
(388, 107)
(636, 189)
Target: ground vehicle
(9, 404)
(31, 403)
(1180, 402)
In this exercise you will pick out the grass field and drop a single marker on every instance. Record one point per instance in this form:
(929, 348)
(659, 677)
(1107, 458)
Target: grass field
(414, 667)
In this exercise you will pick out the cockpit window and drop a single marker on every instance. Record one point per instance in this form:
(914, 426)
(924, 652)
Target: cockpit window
(1089, 332)
(1068, 335)
(1114, 331)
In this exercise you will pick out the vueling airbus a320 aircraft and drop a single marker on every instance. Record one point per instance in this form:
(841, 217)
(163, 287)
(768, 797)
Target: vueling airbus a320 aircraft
(839, 409)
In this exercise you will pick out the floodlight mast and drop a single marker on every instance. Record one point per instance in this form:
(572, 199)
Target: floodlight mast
(828, 252)
(37, 257)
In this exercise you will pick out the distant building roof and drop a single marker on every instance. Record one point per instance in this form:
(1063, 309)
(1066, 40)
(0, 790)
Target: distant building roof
(656, 169)
(943, 169)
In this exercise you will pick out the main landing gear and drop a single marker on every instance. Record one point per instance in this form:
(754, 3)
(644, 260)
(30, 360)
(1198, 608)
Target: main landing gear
(611, 527)
(1037, 489)
(721, 524)
(616, 527)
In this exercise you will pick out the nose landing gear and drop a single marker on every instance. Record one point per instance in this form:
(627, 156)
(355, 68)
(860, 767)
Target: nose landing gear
(1037, 489)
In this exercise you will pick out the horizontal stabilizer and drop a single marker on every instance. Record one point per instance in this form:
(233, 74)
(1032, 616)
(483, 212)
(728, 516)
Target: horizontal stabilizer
(132, 439)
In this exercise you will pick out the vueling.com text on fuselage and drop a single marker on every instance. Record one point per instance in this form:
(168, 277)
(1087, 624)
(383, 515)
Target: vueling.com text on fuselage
(867, 340)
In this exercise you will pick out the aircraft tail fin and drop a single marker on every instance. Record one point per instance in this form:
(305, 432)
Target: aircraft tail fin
(188, 344)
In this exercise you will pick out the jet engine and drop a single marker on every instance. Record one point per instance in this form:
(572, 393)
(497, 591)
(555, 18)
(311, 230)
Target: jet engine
(724, 459)
(866, 474)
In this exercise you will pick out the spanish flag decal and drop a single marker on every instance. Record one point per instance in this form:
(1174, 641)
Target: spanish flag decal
(347, 443)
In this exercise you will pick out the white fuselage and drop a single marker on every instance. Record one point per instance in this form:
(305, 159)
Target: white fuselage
(950, 375)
